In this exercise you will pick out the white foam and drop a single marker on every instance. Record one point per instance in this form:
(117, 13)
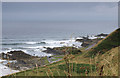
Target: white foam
(40, 54)
(61, 43)
(2, 60)
(38, 50)
(4, 70)
(30, 42)
(92, 37)
(102, 36)
(79, 38)
(6, 61)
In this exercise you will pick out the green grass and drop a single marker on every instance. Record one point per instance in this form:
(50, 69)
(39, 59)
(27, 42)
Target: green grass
(78, 68)
(54, 59)
(112, 41)
(57, 57)
(45, 60)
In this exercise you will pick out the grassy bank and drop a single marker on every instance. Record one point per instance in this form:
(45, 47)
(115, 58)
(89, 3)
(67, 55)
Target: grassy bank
(111, 41)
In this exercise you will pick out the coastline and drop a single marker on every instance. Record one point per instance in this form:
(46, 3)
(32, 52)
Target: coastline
(52, 50)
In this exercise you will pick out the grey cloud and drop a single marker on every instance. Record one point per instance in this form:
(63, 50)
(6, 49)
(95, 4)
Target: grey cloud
(59, 11)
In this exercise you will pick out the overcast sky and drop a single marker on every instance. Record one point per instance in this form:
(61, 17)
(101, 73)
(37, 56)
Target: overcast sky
(40, 11)
(15, 14)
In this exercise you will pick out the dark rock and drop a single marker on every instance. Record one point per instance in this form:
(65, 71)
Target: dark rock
(53, 51)
(49, 56)
(22, 64)
(14, 55)
(21, 61)
(41, 43)
(79, 40)
(84, 39)
(24, 61)
(84, 44)
(102, 34)
(4, 56)
(62, 42)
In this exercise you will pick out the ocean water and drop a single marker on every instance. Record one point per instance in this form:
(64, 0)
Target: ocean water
(33, 38)
(35, 45)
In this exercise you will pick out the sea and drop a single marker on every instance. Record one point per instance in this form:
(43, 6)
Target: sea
(34, 38)
(35, 45)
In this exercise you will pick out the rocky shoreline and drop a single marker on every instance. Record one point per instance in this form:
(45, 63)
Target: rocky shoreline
(25, 61)
(86, 41)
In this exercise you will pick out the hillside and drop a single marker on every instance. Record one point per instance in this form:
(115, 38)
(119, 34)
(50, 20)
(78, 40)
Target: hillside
(104, 62)
(111, 41)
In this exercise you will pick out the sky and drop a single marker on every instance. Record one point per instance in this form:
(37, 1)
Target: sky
(59, 16)
(60, 0)
(40, 11)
